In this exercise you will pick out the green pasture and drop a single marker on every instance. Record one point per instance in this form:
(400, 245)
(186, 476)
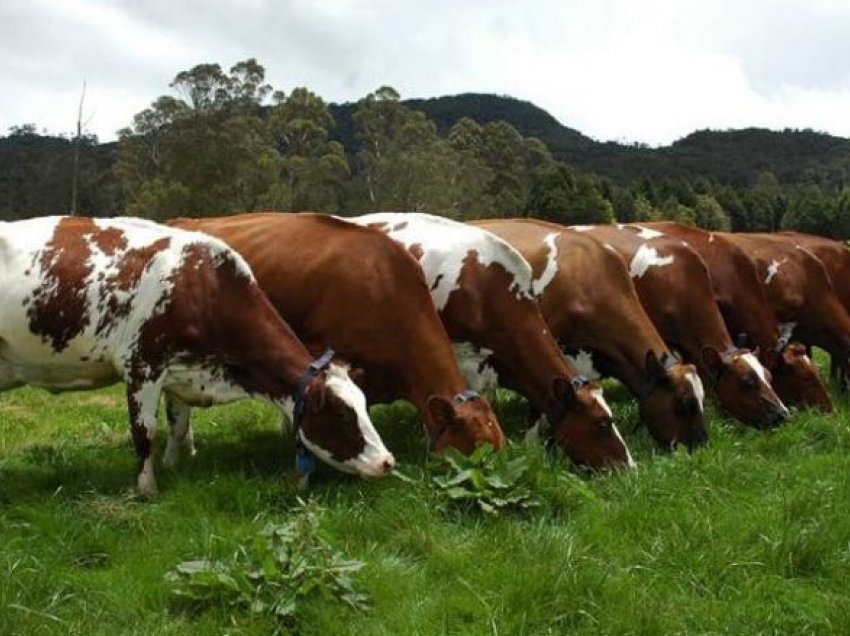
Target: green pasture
(750, 535)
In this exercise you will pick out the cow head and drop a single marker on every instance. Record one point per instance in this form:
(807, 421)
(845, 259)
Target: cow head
(742, 385)
(795, 377)
(584, 427)
(335, 426)
(464, 422)
(671, 403)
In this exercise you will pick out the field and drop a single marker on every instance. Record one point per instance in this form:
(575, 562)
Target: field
(749, 535)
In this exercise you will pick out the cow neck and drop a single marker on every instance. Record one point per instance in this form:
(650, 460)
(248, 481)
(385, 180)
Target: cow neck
(528, 360)
(433, 372)
(270, 358)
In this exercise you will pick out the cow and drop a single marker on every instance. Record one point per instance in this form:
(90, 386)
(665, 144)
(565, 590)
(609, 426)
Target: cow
(801, 291)
(578, 282)
(750, 317)
(482, 289)
(341, 285)
(836, 260)
(674, 287)
(85, 303)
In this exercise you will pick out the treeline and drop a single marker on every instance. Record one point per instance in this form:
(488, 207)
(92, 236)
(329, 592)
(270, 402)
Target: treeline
(227, 141)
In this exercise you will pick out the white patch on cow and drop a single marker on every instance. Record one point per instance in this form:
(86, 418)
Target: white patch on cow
(445, 246)
(699, 391)
(755, 365)
(473, 364)
(375, 460)
(785, 330)
(647, 233)
(647, 257)
(581, 228)
(582, 362)
(539, 285)
(773, 269)
(600, 400)
(753, 362)
(630, 462)
(711, 238)
(611, 248)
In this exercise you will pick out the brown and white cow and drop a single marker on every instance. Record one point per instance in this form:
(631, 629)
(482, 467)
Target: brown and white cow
(593, 310)
(482, 289)
(800, 290)
(89, 302)
(750, 317)
(351, 288)
(835, 257)
(674, 287)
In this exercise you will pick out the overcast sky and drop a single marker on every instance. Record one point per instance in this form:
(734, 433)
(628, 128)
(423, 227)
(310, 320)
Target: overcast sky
(627, 70)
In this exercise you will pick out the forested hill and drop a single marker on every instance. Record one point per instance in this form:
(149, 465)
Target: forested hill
(735, 157)
(467, 156)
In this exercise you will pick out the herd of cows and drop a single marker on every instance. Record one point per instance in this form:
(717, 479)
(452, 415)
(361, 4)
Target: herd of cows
(322, 315)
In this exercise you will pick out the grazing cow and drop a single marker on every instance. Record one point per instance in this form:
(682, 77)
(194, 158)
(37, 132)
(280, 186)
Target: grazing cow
(352, 288)
(801, 291)
(674, 287)
(577, 281)
(750, 317)
(89, 302)
(836, 259)
(481, 288)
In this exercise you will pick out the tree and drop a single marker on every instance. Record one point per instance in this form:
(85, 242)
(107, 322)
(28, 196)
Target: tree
(561, 195)
(403, 163)
(206, 153)
(312, 169)
(809, 210)
(709, 215)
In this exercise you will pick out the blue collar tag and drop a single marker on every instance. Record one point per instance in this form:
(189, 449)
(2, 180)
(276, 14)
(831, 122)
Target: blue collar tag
(305, 462)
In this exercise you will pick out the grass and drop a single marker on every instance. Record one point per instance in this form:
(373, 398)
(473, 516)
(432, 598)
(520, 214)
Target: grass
(749, 535)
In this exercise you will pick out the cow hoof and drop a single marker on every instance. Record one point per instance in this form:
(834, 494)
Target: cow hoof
(147, 487)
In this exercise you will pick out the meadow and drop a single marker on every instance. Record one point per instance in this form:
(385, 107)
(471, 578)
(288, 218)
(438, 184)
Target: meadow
(750, 535)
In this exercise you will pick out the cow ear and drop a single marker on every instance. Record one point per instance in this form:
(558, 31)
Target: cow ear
(654, 366)
(712, 359)
(441, 410)
(563, 391)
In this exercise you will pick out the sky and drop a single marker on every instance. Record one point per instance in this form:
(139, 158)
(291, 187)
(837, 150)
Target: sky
(648, 71)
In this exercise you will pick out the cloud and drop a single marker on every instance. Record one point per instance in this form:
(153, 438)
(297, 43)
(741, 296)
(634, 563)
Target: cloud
(651, 71)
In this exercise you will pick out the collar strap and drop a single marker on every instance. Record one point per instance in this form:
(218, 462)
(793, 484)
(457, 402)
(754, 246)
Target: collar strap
(465, 396)
(304, 461)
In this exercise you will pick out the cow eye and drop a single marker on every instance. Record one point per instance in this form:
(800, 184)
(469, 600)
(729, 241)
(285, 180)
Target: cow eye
(749, 381)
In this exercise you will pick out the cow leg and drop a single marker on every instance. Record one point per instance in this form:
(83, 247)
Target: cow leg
(180, 435)
(142, 401)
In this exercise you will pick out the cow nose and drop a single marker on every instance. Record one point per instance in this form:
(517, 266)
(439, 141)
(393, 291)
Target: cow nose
(388, 464)
(777, 417)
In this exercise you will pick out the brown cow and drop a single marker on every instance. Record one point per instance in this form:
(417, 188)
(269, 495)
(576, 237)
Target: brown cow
(481, 287)
(750, 317)
(89, 302)
(675, 289)
(351, 288)
(800, 290)
(836, 259)
(577, 281)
